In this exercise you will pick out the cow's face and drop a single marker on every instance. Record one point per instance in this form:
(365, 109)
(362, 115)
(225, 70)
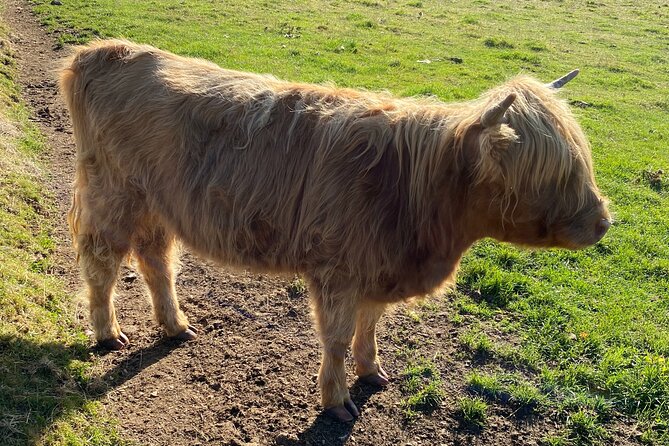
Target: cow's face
(535, 179)
(579, 223)
(573, 215)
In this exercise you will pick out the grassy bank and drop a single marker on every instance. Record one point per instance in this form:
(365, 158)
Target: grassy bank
(589, 329)
(44, 358)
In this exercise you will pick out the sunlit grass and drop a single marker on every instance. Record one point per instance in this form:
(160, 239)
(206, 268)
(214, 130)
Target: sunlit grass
(422, 387)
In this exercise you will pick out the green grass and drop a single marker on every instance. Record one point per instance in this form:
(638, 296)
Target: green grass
(509, 389)
(422, 388)
(472, 412)
(44, 359)
(593, 322)
(483, 347)
(297, 288)
(478, 342)
(585, 428)
(556, 440)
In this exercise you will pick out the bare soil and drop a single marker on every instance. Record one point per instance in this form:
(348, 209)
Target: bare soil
(250, 376)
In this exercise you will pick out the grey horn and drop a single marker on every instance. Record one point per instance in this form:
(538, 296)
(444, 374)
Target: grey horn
(494, 115)
(559, 83)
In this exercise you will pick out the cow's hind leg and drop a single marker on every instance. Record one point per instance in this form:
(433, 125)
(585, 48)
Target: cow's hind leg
(335, 317)
(100, 254)
(99, 223)
(154, 250)
(367, 365)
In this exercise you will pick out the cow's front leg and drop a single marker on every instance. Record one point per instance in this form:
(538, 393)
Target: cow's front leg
(367, 365)
(335, 317)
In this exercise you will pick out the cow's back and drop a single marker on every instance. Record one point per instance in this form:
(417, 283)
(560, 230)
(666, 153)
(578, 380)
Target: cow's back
(246, 169)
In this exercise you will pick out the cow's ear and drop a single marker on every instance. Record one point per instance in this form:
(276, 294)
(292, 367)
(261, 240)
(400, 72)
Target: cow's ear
(495, 141)
(493, 144)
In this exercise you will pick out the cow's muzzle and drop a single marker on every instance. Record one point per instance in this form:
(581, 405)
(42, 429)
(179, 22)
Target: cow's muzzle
(601, 228)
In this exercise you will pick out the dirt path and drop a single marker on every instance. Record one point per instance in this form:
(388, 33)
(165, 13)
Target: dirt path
(250, 376)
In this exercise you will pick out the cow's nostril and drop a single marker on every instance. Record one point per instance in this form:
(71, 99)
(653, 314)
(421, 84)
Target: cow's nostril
(602, 226)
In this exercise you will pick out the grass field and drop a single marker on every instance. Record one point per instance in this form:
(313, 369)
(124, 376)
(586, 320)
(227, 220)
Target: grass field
(590, 328)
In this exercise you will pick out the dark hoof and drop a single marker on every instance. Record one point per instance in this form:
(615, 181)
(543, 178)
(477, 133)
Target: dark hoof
(114, 344)
(351, 408)
(376, 379)
(187, 335)
(344, 413)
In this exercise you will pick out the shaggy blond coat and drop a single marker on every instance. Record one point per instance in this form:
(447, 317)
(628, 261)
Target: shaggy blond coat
(372, 198)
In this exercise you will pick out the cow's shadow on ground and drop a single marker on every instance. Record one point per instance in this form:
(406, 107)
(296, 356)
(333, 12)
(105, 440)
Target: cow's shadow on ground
(131, 366)
(38, 379)
(40, 383)
(323, 426)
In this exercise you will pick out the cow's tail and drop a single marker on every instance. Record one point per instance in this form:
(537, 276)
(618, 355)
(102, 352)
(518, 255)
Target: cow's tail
(72, 87)
(85, 64)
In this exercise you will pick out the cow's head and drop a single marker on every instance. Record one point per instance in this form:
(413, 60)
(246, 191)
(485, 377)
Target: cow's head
(533, 171)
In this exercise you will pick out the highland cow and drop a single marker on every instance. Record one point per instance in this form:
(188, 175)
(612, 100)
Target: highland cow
(373, 199)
